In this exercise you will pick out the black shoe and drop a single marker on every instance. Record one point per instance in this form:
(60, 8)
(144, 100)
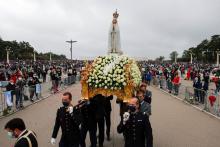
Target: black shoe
(100, 145)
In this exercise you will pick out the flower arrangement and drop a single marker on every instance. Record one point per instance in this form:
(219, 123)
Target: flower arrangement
(109, 72)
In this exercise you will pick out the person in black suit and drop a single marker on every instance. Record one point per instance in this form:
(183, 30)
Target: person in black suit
(108, 109)
(16, 129)
(100, 117)
(88, 124)
(69, 119)
(136, 126)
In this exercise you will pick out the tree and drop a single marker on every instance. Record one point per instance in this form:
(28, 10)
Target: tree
(206, 51)
(186, 54)
(173, 55)
(160, 59)
(23, 51)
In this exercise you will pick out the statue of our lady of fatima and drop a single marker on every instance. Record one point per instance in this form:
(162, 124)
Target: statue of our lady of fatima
(114, 44)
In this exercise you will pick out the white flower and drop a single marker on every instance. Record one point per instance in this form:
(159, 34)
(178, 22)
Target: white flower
(110, 71)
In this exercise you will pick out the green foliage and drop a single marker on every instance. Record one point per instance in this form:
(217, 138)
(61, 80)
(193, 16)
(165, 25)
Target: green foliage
(160, 59)
(206, 51)
(173, 55)
(24, 51)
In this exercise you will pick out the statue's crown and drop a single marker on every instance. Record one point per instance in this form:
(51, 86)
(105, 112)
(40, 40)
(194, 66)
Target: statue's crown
(115, 15)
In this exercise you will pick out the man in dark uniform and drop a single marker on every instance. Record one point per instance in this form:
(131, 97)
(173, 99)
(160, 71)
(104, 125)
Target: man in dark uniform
(136, 126)
(100, 117)
(16, 129)
(88, 112)
(108, 109)
(68, 118)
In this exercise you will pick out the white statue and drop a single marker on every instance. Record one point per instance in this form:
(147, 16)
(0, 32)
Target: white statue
(114, 44)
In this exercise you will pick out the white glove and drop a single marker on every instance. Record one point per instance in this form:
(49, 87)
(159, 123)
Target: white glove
(126, 116)
(53, 141)
(70, 109)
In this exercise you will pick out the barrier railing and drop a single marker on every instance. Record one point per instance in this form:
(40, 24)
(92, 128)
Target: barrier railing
(15, 100)
(206, 100)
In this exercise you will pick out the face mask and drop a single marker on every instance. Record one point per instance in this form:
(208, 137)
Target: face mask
(131, 108)
(11, 135)
(65, 104)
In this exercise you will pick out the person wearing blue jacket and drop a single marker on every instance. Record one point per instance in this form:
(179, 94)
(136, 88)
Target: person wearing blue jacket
(148, 77)
(197, 84)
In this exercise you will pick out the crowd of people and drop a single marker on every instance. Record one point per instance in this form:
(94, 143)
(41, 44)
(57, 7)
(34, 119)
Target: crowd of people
(93, 115)
(170, 76)
(23, 79)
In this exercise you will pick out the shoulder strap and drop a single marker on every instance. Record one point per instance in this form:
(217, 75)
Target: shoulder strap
(26, 137)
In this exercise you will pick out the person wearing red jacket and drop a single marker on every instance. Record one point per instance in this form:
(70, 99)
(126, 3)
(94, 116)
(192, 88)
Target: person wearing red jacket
(176, 83)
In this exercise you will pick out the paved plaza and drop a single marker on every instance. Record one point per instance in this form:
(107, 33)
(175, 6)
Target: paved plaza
(174, 123)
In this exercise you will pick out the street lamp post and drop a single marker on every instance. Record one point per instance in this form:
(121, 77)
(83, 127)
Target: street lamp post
(71, 42)
(50, 57)
(175, 57)
(8, 49)
(217, 59)
(34, 57)
(191, 58)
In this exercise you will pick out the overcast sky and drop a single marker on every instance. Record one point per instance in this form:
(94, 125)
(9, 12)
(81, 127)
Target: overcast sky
(149, 28)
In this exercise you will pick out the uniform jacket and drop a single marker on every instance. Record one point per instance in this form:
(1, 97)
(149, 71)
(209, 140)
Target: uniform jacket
(88, 114)
(137, 131)
(69, 124)
(27, 139)
(107, 104)
(99, 103)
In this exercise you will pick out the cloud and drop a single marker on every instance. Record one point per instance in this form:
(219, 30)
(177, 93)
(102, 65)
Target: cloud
(148, 28)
